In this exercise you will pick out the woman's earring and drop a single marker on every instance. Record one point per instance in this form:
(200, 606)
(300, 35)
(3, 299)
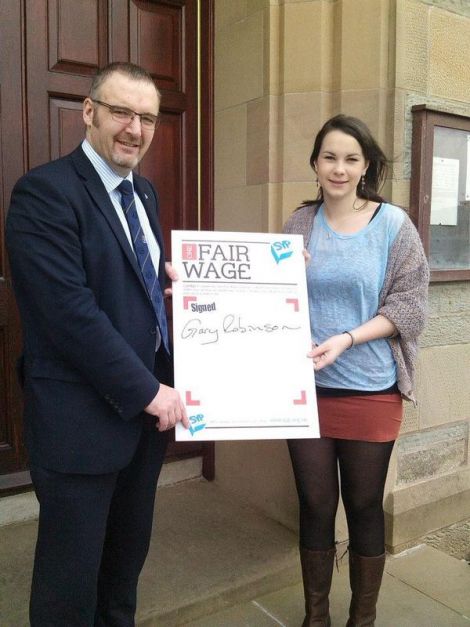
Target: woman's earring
(363, 183)
(318, 184)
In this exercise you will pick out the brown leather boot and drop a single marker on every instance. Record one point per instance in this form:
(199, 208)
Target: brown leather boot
(317, 571)
(365, 577)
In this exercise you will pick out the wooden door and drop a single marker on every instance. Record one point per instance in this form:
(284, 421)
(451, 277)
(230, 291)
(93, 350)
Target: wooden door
(63, 43)
(13, 164)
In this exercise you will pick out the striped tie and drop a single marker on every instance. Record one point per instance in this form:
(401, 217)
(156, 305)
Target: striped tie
(143, 257)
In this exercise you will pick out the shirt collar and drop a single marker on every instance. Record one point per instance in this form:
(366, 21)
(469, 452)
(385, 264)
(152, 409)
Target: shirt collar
(109, 177)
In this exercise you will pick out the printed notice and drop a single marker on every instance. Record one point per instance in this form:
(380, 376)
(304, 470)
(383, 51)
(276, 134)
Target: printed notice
(241, 333)
(445, 191)
(467, 181)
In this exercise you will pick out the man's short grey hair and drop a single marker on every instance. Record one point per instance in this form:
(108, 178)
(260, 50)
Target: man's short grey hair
(130, 70)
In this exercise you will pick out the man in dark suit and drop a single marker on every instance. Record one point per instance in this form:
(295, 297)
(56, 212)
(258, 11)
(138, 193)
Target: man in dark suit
(96, 367)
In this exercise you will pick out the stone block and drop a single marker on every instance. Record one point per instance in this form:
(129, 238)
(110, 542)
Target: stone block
(272, 194)
(18, 508)
(262, 122)
(230, 148)
(239, 62)
(304, 28)
(256, 5)
(401, 192)
(364, 44)
(412, 45)
(446, 329)
(248, 470)
(449, 75)
(413, 511)
(450, 588)
(450, 298)
(303, 116)
(461, 7)
(229, 11)
(240, 209)
(293, 194)
(444, 385)
(273, 46)
(410, 419)
(374, 107)
(449, 315)
(431, 453)
(398, 111)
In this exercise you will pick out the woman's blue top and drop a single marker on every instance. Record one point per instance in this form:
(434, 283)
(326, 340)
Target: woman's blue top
(344, 279)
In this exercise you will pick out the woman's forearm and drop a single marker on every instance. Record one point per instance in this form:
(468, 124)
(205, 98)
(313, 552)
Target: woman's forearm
(373, 329)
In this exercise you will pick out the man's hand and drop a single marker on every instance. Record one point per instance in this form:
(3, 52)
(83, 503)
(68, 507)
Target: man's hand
(168, 407)
(171, 274)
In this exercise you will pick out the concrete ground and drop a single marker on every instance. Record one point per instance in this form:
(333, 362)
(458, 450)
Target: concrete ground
(216, 563)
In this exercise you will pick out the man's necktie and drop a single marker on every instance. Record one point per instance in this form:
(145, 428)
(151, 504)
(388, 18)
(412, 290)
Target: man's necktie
(143, 257)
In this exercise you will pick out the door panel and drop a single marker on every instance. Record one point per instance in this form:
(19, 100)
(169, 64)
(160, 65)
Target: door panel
(13, 163)
(66, 129)
(63, 43)
(62, 54)
(171, 163)
(75, 30)
(167, 165)
(152, 22)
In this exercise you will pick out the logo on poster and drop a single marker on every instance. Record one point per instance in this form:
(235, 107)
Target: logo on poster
(197, 423)
(281, 250)
(189, 251)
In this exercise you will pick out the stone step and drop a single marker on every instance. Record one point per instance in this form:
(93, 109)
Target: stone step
(208, 552)
(23, 507)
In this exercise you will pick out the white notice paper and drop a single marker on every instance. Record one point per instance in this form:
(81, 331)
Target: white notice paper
(467, 182)
(445, 191)
(241, 333)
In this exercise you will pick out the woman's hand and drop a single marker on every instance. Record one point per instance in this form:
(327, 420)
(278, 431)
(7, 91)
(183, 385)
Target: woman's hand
(376, 328)
(326, 353)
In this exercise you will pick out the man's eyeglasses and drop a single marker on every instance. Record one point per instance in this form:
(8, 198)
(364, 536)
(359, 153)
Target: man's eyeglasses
(125, 116)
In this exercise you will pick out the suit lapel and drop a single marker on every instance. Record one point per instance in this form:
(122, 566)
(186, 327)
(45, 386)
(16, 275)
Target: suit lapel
(100, 197)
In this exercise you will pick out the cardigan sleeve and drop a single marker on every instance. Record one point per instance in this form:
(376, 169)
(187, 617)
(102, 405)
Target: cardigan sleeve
(403, 299)
(301, 222)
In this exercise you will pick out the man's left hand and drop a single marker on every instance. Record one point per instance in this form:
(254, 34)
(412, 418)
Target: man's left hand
(171, 274)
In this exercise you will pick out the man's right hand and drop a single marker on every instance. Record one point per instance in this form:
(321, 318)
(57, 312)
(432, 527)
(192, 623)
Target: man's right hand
(168, 407)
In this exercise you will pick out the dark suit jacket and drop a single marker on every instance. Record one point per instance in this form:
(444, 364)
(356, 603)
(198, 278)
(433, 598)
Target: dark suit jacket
(88, 324)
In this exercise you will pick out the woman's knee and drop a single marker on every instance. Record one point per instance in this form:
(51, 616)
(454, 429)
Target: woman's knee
(319, 505)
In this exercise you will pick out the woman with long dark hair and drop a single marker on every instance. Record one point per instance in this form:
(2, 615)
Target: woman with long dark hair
(367, 279)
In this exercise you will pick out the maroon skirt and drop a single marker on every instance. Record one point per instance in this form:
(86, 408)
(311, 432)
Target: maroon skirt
(371, 418)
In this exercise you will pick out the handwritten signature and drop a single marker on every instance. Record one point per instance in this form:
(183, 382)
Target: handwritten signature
(195, 328)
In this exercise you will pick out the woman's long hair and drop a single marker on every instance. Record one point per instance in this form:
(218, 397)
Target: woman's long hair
(378, 162)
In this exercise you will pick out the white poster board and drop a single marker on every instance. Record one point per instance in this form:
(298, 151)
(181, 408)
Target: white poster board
(241, 333)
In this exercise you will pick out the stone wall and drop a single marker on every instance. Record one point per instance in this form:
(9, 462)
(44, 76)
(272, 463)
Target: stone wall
(282, 68)
(429, 482)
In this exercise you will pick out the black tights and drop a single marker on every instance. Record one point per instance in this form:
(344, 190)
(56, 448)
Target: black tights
(363, 468)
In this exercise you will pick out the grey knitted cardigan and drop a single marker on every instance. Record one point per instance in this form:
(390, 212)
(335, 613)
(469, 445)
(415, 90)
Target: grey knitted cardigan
(403, 298)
